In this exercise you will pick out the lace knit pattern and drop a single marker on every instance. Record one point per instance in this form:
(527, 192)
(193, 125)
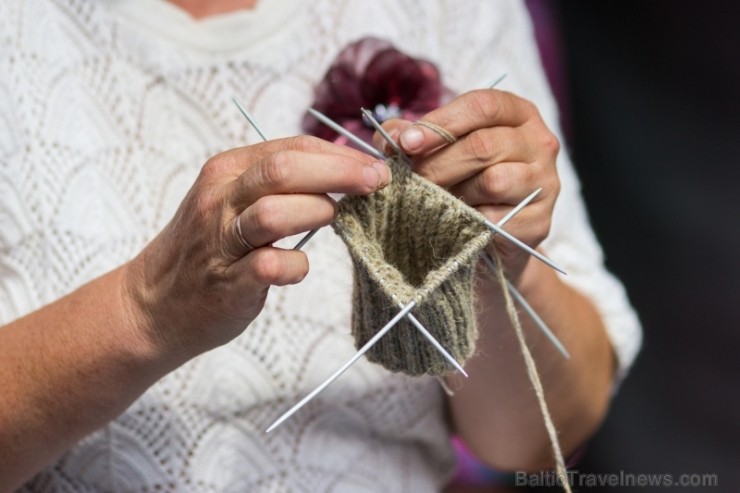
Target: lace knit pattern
(105, 120)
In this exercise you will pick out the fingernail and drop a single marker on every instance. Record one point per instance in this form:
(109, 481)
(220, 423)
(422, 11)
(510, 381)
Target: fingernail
(377, 175)
(385, 173)
(372, 177)
(412, 138)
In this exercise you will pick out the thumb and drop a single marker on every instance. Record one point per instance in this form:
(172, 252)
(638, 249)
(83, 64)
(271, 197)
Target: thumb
(394, 127)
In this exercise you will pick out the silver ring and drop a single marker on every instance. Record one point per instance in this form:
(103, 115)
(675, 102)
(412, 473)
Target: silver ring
(240, 237)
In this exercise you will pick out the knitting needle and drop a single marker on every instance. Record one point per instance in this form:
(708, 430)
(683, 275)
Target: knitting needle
(521, 205)
(446, 355)
(377, 126)
(538, 321)
(369, 344)
(249, 118)
(528, 308)
(497, 81)
(371, 150)
(341, 130)
(434, 342)
(515, 292)
(488, 224)
(495, 229)
(254, 124)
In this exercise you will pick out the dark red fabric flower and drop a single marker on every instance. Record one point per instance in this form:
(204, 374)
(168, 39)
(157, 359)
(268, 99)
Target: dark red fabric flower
(372, 74)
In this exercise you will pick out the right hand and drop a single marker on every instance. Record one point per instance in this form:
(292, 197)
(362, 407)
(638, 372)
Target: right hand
(196, 286)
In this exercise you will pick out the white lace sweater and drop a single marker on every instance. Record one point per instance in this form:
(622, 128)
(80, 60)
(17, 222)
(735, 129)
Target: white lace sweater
(107, 111)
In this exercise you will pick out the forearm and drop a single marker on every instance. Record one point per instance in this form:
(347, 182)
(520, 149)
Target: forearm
(495, 410)
(66, 370)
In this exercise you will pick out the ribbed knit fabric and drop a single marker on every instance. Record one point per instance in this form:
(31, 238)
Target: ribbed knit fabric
(413, 241)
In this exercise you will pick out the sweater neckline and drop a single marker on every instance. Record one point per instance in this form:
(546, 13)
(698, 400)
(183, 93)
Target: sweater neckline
(217, 33)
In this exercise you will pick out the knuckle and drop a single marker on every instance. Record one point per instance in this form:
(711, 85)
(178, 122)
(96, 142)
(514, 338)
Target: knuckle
(276, 169)
(307, 143)
(268, 266)
(215, 166)
(530, 109)
(485, 103)
(550, 143)
(203, 202)
(210, 167)
(493, 183)
(480, 145)
(268, 216)
(555, 185)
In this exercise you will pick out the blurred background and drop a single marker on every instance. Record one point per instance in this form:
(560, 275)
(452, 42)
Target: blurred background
(652, 101)
(649, 92)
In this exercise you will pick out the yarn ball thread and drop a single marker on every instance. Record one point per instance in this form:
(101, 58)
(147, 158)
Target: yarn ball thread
(413, 241)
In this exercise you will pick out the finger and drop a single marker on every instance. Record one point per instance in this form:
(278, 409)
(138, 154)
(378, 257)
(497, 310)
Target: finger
(503, 184)
(474, 153)
(394, 127)
(466, 113)
(288, 172)
(274, 217)
(517, 224)
(270, 266)
(234, 162)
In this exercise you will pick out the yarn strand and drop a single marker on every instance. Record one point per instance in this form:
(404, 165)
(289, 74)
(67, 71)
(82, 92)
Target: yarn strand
(533, 374)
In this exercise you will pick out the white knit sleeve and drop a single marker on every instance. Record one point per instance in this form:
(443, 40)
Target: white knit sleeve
(499, 39)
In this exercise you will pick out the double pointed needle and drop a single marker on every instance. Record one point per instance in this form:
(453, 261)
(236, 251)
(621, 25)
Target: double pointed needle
(256, 126)
(487, 259)
(515, 292)
(488, 224)
(349, 135)
(423, 330)
(445, 354)
(406, 309)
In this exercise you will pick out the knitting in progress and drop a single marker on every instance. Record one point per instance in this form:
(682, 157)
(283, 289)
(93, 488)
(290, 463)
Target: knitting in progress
(413, 241)
(386, 234)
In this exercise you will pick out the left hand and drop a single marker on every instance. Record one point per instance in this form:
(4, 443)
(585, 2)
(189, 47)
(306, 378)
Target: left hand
(503, 152)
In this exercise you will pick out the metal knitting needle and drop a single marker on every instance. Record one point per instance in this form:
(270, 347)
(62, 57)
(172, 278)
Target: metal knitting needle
(445, 354)
(528, 308)
(434, 342)
(249, 118)
(515, 292)
(535, 317)
(374, 152)
(346, 133)
(406, 309)
(254, 124)
(497, 81)
(495, 229)
(488, 224)
(521, 205)
(377, 126)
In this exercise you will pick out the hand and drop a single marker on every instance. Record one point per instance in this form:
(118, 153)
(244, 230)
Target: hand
(503, 152)
(198, 285)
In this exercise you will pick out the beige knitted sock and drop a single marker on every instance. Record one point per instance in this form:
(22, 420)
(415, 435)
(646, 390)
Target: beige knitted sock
(413, 241)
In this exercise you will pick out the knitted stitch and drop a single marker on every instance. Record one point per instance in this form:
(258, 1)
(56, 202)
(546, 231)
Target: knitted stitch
(413, 241)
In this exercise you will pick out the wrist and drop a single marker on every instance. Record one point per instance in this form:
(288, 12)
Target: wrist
(144, 339)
